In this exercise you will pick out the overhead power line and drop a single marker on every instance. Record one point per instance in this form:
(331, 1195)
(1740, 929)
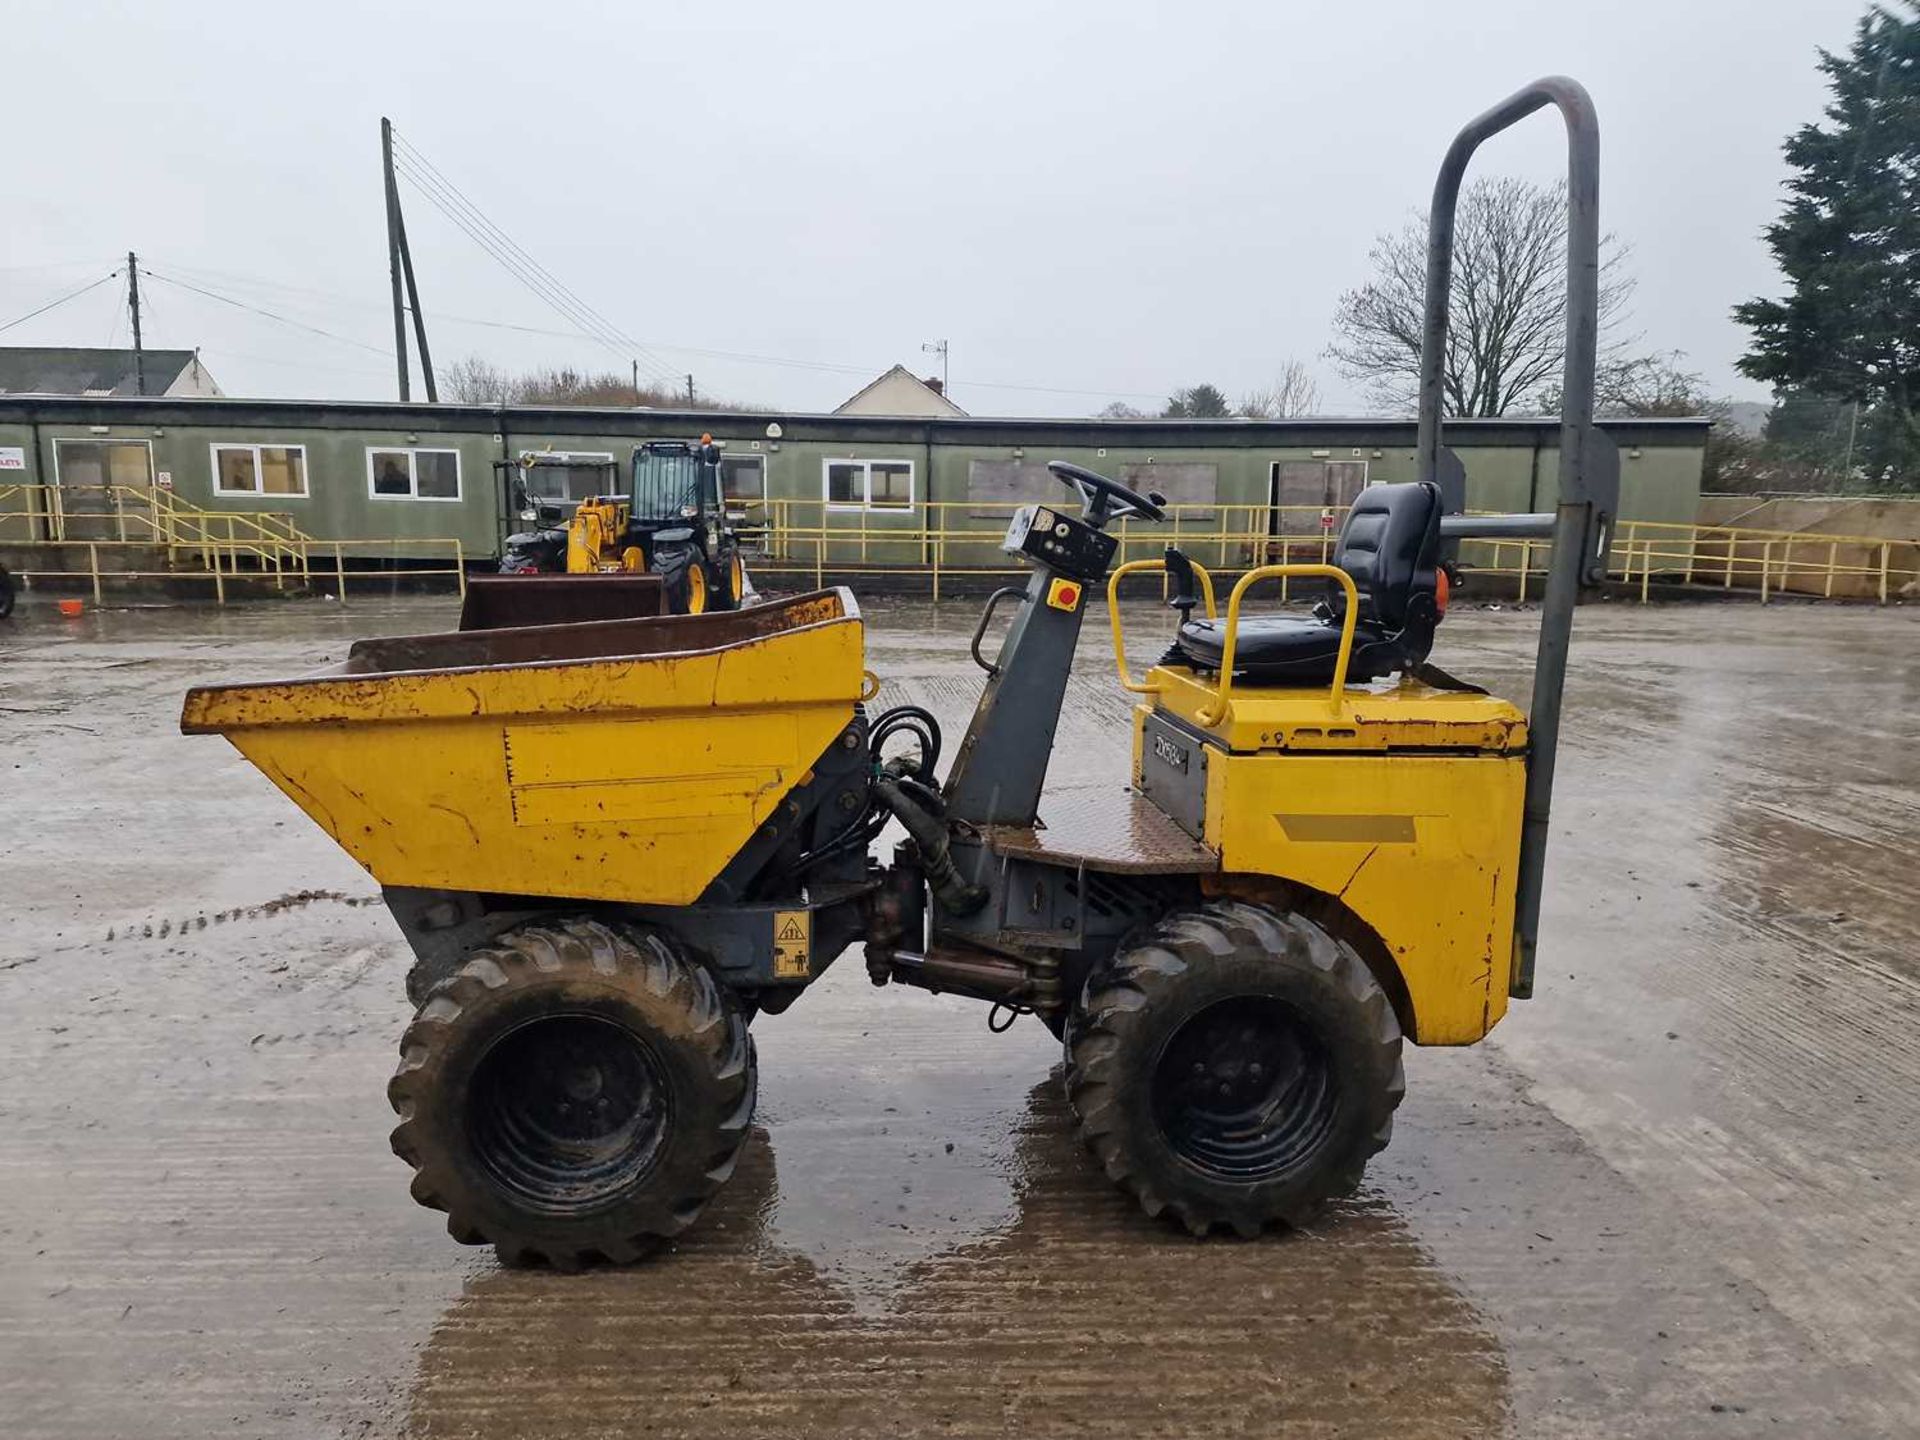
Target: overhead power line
(448, 198)
(832, 367)
(267, 314)
(435, 182)
(61, 300)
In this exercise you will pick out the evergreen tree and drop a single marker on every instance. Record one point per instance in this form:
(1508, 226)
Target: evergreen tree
(1197, 402)
(1849, 245)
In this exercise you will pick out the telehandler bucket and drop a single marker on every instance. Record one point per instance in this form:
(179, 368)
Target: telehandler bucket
(614, 760)
(503, 602)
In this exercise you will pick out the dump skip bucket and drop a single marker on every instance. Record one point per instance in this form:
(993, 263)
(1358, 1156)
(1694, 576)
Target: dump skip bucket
(618, 760)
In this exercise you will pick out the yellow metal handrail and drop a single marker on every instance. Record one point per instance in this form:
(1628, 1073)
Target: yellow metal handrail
(150, 517)
(1127, 682)
(1217, 712)
(148, 514)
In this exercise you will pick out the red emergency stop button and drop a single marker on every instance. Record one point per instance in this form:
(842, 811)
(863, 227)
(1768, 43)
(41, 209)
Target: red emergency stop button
(1064, 594)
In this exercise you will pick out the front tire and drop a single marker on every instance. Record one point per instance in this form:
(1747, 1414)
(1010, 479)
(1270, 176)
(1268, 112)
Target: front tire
(1235, 1068)
(573, 1093)
(683, 570)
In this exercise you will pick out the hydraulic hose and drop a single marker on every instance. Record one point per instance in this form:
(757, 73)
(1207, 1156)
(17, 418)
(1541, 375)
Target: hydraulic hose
(930, 837)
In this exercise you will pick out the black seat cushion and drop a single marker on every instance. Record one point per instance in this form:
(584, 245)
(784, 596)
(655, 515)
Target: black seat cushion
(1284, 649)
(1390, 545)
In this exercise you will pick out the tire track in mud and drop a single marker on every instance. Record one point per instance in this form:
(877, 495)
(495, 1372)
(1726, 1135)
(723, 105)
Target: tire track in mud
(135, 933)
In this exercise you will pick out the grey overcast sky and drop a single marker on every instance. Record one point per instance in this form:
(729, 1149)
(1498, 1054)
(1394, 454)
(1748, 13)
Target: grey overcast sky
(1090, 202)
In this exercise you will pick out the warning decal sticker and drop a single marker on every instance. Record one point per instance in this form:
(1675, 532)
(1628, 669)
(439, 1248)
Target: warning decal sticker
(792, 942)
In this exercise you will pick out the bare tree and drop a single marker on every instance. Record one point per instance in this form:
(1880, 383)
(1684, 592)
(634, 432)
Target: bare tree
(477, 381)
(1505, 342)
(1119, 410)
(1646, 385)
(1293, 394)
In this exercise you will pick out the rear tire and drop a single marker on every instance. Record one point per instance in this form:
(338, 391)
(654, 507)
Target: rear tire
(1235, 1067)
(731, 571)
(573, 1093)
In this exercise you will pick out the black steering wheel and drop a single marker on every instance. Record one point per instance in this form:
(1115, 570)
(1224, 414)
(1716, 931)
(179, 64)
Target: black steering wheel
(1107, 499)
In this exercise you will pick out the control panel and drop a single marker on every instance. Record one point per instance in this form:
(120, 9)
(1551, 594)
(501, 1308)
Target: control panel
(1060, 542)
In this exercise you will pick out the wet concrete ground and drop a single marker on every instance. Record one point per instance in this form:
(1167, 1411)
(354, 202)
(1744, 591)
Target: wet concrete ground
(1676, 1195)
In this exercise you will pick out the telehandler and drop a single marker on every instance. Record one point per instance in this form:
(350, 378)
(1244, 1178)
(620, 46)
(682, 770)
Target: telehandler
(612, 844)
(672, 523)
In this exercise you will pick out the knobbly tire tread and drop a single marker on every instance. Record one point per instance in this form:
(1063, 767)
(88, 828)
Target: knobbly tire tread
(672, 564)
(1109, 1053)
(687, 1013)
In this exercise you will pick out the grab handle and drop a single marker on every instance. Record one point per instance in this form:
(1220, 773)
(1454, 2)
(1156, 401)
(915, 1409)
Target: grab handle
(1221, 707)
(986, 614)
(1127, 682)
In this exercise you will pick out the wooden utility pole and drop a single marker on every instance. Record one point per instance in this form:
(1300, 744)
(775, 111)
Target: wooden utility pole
(133, 304)
(690, 399)
(419, 317)
(393, 254)
(400, 269)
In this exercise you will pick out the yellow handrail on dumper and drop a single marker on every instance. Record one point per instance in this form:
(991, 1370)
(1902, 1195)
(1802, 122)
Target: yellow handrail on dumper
(1127, 682)
(1217, 712)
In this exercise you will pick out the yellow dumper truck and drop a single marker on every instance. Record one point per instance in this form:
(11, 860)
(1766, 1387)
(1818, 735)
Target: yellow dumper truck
(613, 844)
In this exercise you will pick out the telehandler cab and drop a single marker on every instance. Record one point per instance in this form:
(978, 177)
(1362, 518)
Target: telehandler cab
(611, 844)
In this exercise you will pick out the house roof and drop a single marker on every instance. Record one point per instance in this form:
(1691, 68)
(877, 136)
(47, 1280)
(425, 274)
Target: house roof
(936, 404)
(60, 370)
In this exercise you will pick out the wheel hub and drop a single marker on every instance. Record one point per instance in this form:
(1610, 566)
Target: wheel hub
(567, 1110)
(1243, 1090)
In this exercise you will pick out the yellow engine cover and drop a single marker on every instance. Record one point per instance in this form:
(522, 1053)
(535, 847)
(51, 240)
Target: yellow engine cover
(1405, 806)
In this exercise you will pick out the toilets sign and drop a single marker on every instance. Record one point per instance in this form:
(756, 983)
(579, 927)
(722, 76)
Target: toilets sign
(12, 457)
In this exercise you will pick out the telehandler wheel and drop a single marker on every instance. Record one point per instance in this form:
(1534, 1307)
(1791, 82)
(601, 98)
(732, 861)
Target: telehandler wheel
(679, 567)
(574, 1092)
(730, 579)
(1236, 1067)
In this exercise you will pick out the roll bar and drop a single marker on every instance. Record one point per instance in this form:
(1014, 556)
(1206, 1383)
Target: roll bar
(1589, 476)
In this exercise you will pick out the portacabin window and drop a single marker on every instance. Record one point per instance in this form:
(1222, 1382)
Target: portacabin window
(278, 470)
(743, 479)
(413, 474)
(867, 484)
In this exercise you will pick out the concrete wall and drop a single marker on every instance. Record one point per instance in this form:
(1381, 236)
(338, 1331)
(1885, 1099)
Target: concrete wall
(1804, 566)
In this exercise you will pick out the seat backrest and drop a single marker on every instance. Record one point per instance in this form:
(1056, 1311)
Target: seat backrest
(1390, 545)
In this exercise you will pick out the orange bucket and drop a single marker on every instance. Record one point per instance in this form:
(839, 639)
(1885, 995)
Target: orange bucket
(73, 607)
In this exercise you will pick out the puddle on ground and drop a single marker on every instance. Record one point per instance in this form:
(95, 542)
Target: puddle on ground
(1075, 1315)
